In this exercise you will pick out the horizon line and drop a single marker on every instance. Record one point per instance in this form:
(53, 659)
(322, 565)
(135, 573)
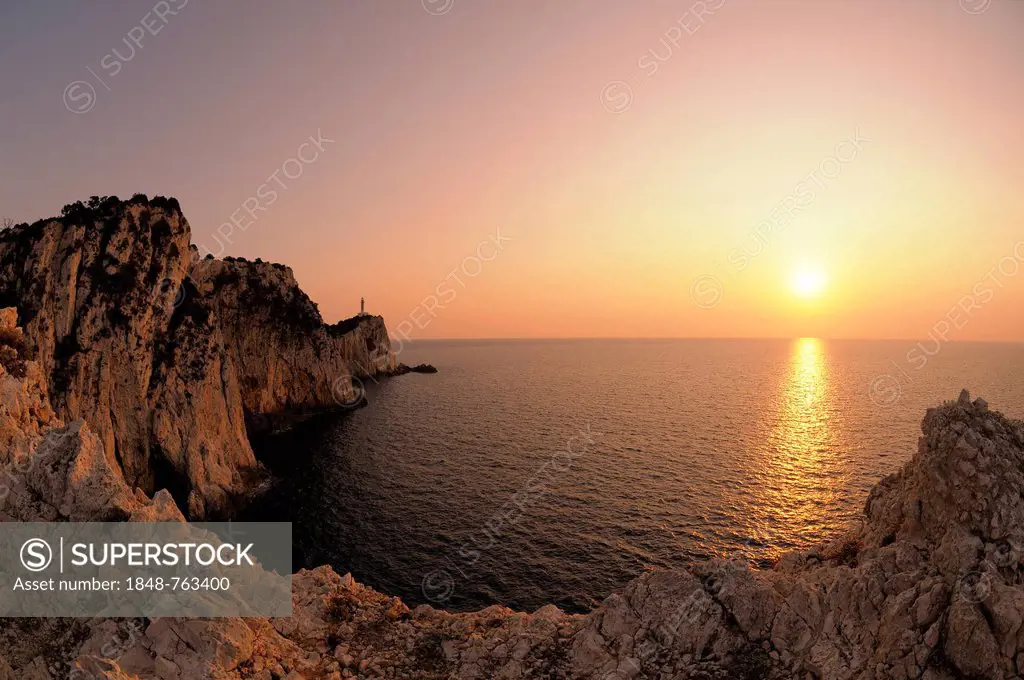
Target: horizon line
(680, 337)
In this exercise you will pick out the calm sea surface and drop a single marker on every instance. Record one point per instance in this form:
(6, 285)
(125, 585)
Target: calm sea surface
(529, 472)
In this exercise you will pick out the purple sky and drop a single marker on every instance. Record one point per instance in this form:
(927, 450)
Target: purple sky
(454, 120)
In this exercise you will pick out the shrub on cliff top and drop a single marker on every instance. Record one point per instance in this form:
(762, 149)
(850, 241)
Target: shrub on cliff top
(98, 207)
(165, 203)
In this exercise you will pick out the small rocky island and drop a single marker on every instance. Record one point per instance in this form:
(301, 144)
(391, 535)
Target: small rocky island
(418, 368)
(129, 372)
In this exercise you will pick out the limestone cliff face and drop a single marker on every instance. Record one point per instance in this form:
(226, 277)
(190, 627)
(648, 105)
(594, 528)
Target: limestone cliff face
(166, 358)
(286, 358)
(95, 292)
(364, 339)
(50, 471)
(25, 413)
(202, 451)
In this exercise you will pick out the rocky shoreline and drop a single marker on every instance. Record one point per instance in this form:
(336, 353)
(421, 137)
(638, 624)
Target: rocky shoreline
(170, 358)
(930, 586)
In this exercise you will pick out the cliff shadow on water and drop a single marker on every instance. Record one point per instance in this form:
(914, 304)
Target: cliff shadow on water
(293, 454)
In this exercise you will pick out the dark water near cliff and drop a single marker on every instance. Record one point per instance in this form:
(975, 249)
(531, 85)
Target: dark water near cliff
(481, 484)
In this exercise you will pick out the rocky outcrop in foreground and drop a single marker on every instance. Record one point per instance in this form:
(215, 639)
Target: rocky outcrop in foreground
(168, 358)
(929, 587)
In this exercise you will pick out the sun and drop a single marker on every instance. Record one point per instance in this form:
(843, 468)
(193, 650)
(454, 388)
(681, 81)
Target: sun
(808, 282)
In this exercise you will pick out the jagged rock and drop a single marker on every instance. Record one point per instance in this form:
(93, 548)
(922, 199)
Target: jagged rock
(167, 358)
(69, 478)
(24, 405)
(53, 472)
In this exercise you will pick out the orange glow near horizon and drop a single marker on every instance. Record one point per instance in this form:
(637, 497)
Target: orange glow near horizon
(651, 173)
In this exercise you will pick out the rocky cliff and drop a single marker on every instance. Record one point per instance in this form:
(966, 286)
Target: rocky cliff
(930, 586)
(287, 360)
(51, 471)
(167, 358)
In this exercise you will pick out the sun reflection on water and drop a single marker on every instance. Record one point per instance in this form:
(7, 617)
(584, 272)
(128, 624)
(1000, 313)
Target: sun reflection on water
(801, 470)
(807, 376)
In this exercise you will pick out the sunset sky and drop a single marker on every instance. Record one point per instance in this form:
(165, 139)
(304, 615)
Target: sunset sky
(626, 152)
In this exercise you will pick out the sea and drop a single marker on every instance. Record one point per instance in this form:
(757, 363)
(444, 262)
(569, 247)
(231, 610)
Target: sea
(528, 472)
